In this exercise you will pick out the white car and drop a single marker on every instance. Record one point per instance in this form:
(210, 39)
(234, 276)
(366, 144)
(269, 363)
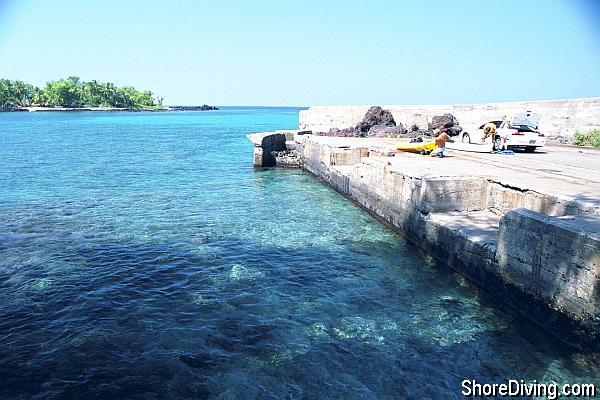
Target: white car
(522, 133)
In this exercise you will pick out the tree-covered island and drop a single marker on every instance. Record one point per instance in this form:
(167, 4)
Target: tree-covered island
(74, 93)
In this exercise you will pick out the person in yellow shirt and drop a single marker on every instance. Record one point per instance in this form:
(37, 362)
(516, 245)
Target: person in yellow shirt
(489, 129)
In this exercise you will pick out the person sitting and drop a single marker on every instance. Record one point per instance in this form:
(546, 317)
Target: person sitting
(440, 143)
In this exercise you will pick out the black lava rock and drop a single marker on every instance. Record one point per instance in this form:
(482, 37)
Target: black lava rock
(375, 116)
(377, 122)
(447, 122)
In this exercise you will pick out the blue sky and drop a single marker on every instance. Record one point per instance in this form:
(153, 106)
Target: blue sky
(311, 52)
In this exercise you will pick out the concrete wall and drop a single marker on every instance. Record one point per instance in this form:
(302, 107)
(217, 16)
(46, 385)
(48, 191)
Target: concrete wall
(547, 268)
(554, 260)
(502, 199)
(558, 117)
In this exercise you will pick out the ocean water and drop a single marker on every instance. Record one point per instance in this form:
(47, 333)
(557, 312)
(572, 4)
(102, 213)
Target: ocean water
(142, 257)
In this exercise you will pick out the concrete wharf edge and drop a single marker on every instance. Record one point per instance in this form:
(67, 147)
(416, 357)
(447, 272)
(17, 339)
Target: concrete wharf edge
(546, 267)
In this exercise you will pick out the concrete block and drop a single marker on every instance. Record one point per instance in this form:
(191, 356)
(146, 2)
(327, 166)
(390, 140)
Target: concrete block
(340, 182)
(436, 195)
(504, 199)
(555, 260)
(347, 156)
(258, 156)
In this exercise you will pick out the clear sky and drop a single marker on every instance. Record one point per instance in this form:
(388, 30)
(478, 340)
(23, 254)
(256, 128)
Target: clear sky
(283, 52)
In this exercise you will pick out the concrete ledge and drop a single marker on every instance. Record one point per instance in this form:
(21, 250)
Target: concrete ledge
(451, 194)
(503, 198)
(480, 227)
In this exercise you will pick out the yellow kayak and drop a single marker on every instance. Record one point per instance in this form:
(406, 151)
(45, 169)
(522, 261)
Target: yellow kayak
(418, 147)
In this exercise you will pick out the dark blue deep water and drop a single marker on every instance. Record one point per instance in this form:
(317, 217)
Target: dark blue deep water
(142, 257)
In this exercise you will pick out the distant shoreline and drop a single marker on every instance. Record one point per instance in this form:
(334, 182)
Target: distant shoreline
(109, 109)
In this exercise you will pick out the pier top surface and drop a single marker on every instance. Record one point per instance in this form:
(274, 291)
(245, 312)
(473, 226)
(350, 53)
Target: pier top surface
(565, 172)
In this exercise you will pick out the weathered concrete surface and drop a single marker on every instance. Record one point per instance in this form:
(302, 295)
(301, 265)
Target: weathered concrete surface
(455, 209)
(554, 259)
(481, 227)
(554, 181)
(558, 117)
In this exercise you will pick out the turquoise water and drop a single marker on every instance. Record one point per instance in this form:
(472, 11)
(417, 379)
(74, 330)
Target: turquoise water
(142, 257)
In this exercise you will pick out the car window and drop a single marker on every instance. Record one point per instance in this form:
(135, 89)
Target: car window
(526, 120)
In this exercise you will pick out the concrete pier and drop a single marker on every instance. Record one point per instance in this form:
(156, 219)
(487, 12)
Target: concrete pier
(525, 227)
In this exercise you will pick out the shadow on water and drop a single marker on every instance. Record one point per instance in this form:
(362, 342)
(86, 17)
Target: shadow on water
(151, 320)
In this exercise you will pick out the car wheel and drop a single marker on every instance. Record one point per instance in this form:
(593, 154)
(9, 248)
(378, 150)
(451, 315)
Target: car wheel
(466, 138)
(497, 143)
(529, 149)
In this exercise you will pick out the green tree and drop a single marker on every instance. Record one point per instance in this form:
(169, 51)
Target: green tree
(39, 97)
(73, 92)
(7, 99)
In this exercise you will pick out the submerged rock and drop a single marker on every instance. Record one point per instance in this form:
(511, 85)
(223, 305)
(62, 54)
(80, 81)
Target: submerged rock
(362, 329)
(42, 284)
(317, 330)
(239, 272)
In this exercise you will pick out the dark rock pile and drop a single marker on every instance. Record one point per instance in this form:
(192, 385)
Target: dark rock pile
(375, 116)
(447, 123)
(377, 122)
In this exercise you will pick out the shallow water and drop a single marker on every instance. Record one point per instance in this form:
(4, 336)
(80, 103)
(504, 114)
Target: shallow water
(142, 257)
